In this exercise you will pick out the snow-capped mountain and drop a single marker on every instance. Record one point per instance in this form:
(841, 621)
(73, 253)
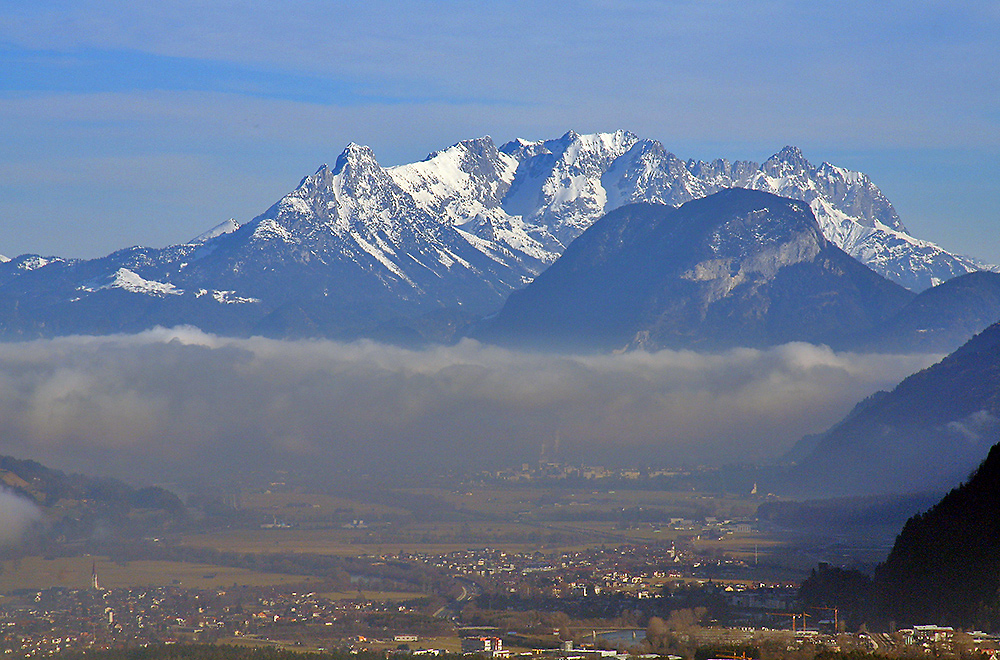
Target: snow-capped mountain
(464, 187)
(360, 245)
(568, 183)
(855, 216)
(424, 243)
(557, 186)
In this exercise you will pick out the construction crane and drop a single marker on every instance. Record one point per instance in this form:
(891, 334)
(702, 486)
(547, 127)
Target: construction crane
(794, 616)
(836, 616)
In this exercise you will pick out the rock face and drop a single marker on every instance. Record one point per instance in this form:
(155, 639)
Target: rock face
(558, 187)
(736, 268)
(359, 249)
(925, 435)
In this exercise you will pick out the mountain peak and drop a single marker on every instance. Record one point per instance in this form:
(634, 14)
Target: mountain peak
(353, 155)
(475, 222)
(480, 146)
(790, 155)
(610, 139)
(357, 170)
(483, 141)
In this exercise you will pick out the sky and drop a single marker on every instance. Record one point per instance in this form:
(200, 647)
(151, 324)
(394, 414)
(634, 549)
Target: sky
(148, 122)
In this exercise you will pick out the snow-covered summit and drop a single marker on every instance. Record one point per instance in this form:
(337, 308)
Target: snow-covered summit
(464, 186)
(557, 186)
(425, 234)
(131, 281)
(227, 227)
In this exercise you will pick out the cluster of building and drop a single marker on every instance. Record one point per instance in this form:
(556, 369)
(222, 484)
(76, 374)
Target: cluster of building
(39, 623)
(641, 571)
(548, 470)
(47, 622)
(638, 570)
(945, 640)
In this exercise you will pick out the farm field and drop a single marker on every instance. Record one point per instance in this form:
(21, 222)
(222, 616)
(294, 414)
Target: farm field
(75, 573)
(434, 538)
(512, 519)
(316, 507)
(438, 520)
(569, 503)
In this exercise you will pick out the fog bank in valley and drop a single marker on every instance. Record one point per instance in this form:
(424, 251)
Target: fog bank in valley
(174, 404)
(16, 515)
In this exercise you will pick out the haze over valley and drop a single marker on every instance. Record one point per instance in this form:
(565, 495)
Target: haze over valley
(178, 405)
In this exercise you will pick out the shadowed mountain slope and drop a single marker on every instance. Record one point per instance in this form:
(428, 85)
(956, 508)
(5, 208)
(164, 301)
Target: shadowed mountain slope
(736, 268)
(928, 433)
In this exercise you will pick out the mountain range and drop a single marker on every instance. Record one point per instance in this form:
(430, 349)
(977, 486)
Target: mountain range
(426, 248)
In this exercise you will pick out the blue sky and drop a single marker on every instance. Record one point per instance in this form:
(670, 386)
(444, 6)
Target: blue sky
(146, 123)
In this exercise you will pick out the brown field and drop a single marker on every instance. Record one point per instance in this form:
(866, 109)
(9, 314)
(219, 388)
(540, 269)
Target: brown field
(315, 507)
(513, 519)
(75, 573)
(431, 539)
(546, 502)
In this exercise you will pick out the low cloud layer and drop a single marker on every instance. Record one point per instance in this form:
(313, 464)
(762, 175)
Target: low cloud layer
(171, 404)
(16, 515)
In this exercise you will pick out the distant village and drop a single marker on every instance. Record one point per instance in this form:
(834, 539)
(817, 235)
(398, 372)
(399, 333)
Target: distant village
(553, 470)
(624, 585)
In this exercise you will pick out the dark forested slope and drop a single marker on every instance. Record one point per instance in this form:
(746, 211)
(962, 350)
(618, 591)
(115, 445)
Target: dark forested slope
(945, 565)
